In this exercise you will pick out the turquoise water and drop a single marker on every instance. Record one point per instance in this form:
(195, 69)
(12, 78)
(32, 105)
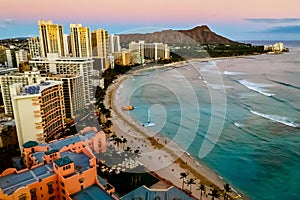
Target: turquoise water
(249, 107)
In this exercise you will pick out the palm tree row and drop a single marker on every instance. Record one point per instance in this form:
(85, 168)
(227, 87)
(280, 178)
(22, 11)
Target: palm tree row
(214, 193)
(117, 141)
(189, 182)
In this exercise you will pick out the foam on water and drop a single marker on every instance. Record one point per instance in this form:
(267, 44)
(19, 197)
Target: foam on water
(232, 73)
(276, 118)
(257, 87)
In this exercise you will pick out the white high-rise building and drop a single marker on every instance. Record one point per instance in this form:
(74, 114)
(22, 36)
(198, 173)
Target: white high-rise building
(69, 66)
(21, 56)
(73, 89)
(11, 58)
(114, 43)
(51, 38)
(67, 44)
(137, 52)
(39, 111)
(80, 41)
(34, 47)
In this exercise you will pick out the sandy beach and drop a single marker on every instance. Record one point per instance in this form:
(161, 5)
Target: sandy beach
(159, 154)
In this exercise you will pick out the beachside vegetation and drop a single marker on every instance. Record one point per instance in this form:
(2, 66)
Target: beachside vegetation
(202, 189)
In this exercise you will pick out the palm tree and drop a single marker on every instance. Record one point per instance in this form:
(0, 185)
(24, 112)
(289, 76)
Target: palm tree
(137, 153)
(118, 141)
(214, 193)
(202, 188)
(191, 182)
(130, 154)
(183, 175)
(227, 189)
(124, 141)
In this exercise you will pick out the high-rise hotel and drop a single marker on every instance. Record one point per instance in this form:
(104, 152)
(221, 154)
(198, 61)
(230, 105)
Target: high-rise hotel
(81, 41)
(51, 38)
(39, 110)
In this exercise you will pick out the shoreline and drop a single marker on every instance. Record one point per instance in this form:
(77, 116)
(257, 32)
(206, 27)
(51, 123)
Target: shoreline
(169, 160)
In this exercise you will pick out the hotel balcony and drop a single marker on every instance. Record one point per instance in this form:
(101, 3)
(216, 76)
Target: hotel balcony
(37, 115)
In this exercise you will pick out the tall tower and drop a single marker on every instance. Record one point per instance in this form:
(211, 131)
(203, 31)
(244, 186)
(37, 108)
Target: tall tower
(80, 41)
(34, 47)
(51, 38)
(114, 43)
(99, 42)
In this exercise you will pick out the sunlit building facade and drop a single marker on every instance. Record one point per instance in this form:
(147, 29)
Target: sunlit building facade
(51, 38)
(39, 111)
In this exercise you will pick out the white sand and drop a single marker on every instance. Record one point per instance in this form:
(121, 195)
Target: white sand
(161, 161)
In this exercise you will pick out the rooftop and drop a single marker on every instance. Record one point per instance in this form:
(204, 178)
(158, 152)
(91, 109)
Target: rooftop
(51, 151)
(30, 144)
(91, 193)
(59, 144)
(38, 88)
(81, 160)
(63, 161)
(10, 183)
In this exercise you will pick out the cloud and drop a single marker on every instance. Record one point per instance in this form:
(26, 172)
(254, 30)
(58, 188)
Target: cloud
(273, 20)
(282, 30)
(4, 23)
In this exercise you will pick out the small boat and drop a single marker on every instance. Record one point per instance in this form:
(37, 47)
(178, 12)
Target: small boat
(127, 108)
(149, 123)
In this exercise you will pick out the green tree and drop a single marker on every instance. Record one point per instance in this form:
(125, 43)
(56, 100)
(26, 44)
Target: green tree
(214, 193)
(191, 182)
(124, 141)
(183, 176)
(202, 189)
(227, 189)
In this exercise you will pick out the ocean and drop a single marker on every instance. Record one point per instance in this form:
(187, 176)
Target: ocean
(240, 117)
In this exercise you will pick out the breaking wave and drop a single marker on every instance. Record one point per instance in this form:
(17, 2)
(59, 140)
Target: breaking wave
(257, 87)
(279, 119)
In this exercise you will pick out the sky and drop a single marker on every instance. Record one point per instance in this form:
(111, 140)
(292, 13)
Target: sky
(235, 19)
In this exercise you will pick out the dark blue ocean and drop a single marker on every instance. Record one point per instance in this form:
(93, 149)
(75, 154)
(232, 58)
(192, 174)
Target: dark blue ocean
(240, 117)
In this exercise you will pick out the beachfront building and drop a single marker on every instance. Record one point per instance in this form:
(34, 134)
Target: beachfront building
(100, 48)
(99, 42)
(81, 43)
(39, 111)
(34, 47)
(114, 43)
(10, 79)
(122, 58)
(137, 52)
(156, 51)
(51, 38)
(68, 66)
(72, 89)
(64, 169)
(148, 51)
(72, 92)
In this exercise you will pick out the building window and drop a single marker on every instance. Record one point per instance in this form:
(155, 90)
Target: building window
(52, 198)
(63, 191)
(50, 188)
(33, 194)
(81, 180)
(22, 197)
(62, 184)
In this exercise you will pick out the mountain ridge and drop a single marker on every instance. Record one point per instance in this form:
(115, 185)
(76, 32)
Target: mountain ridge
(197, 35)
